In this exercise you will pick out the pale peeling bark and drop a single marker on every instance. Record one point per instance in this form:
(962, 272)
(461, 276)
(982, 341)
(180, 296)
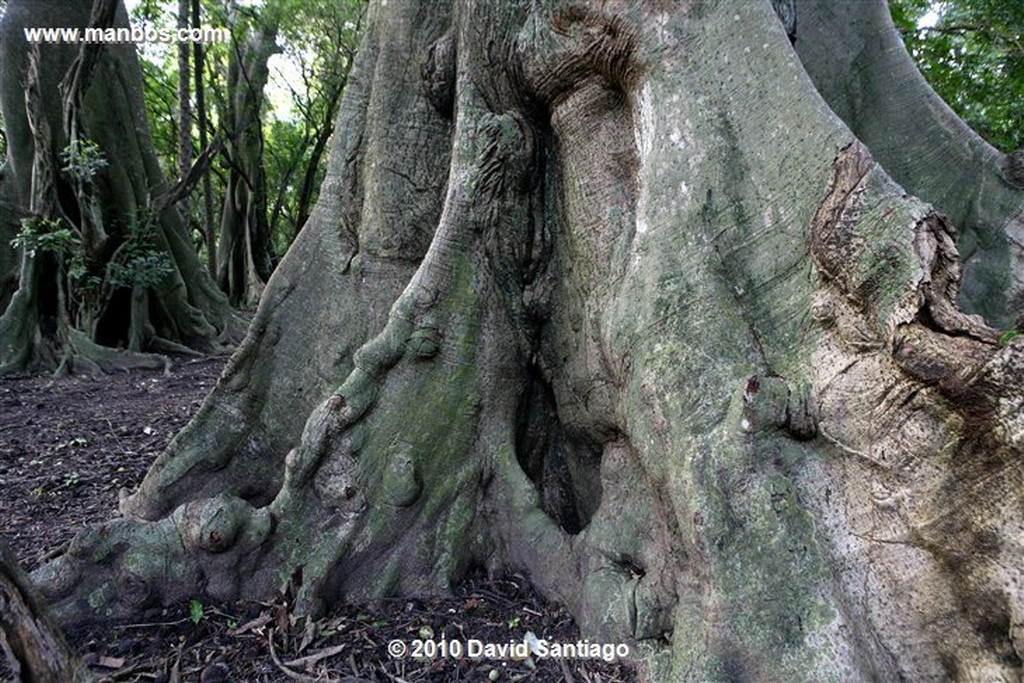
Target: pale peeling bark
(699, 374)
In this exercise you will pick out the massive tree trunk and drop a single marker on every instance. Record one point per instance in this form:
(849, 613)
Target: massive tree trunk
(607, 293)
(9, 222)
(105, 259)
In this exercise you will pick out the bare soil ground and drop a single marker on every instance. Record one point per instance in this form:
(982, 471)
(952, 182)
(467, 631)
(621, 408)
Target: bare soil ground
(66, 449)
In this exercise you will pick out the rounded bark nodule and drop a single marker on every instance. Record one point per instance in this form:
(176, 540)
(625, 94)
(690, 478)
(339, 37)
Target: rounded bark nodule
(610, 321)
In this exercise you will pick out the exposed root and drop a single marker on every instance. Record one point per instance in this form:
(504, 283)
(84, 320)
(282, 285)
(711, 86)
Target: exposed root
(84, 356)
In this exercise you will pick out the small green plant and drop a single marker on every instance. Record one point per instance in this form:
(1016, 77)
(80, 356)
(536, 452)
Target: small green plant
(45, 235)
(1008, 336)
(195, 611)
(139, 262)
(74, 442)
(82, 159)
(145, 269)
(514, 622)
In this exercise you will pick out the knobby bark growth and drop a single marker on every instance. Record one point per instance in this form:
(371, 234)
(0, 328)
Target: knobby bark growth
(107, 270)
(607, 293)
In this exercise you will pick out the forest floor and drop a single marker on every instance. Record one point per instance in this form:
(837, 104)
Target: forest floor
(68, 446)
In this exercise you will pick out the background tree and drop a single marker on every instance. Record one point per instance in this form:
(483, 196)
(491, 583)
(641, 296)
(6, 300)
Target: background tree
(277, 137)
(184, 100)
(973, 55)
(321, 41)
(610, 294)
(105, 260)
(243, 248)
(274, 151)
(202, 123)
(9, 218)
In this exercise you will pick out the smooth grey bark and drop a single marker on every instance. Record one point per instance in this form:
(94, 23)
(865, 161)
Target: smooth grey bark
(857, 60)
(697, 370)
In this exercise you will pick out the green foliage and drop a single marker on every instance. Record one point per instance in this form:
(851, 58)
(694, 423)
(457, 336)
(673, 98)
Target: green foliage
(74, 442)
(317, 40)
(139, 262)
(974, 58)
(45, 235)
(1008, 336)
(82, 159)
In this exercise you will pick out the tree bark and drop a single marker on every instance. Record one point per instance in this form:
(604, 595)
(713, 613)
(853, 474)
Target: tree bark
(93, 94)
(858, 63)
(9, 226)
(608, 295)
(243, 257)
(184, 105)
(202, 121)
(34, 645)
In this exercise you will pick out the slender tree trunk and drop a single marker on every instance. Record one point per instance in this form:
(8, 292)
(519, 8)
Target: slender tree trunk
(243, 258)
(608, 295)
(184, 106)
(319, 146)
(202, 120)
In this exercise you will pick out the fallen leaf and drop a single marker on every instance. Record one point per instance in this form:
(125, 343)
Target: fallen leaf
(262, 620)
(110, 662)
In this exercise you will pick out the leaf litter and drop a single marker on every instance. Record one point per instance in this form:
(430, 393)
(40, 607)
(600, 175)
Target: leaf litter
(69, 446)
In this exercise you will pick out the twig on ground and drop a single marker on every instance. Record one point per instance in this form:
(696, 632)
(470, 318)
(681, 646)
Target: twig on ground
(566, 673)
(294, 675)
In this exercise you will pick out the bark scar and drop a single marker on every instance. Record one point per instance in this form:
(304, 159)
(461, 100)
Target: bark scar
(834, 242)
